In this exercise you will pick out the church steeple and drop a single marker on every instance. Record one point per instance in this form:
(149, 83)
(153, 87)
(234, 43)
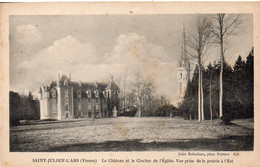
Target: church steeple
(183, 74)
(184, 61)
(184, 50)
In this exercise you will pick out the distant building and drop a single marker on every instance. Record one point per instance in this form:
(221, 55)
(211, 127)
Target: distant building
(183, 70)
(64, 99)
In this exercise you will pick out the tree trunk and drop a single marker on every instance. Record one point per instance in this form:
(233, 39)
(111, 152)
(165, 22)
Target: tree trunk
(199, 107)
(210, 104)
(124, 92)
(221, 66)
(202, 100)
(221, 79)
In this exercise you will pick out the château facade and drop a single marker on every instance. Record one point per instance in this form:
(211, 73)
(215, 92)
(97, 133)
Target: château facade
(64, 99)
(183, 70)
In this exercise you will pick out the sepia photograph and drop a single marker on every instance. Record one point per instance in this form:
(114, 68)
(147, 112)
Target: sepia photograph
(136, 82)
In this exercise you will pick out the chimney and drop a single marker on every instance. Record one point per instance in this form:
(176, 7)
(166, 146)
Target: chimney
(69, 76)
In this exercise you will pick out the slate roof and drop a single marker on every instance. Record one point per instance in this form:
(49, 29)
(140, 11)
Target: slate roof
(86, 86)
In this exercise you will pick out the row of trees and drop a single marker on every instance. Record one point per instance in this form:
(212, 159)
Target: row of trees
(205, 31)
(238, 90)
(23, 107)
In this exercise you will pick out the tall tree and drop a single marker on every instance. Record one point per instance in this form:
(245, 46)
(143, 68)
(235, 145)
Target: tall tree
(239, 65)
(225, 26)
(142, 89)
(210, 70)
(199, 41)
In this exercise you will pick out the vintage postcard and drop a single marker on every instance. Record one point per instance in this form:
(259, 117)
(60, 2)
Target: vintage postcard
(130, 84)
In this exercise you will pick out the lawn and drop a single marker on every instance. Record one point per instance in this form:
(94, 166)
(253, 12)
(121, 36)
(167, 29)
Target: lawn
(133, 134)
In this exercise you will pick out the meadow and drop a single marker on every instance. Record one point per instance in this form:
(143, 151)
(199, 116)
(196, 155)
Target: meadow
(132, 134)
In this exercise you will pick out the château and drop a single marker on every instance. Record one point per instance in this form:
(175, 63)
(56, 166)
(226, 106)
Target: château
(64, 99)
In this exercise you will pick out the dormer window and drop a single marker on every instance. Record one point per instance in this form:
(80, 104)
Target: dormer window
(105, 94)
(88, 93)
(66, 82)
(96, 93)
(108, 93)
(53, 93)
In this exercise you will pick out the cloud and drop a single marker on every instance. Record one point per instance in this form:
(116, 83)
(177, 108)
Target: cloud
(133, 47)
(63, 54)
(27, 34)
(135, 54)
(132, 53)
(68, 55)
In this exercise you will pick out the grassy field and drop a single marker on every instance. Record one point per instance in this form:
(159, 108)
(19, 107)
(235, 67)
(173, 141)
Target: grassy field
(133, 134)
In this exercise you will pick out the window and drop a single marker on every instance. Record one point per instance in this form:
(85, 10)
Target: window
(109, 93)
(79, 106)
(97, 100)
(88, 93)
(97, 107)
(66, 99)
(66, 82)
(96, 94)
(89, 114)
(89, 107)
(66, 107)
(66, 93)
(53, 93)
(79, 94)
(105, 94)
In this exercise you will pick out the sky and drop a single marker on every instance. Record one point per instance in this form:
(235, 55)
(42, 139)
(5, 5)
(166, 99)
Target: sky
(96, 47)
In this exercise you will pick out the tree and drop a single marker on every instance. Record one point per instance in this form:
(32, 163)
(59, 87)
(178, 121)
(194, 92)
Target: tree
(249, 67)
(14, 103)
(240, 64)
(199, 41)
(142, 88)
(243, 85)
(23, 107)
(210, 70)
(238, 85)
(225, 26)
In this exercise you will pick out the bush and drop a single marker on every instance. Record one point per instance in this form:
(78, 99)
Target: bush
(130, 111)
(226, 120)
